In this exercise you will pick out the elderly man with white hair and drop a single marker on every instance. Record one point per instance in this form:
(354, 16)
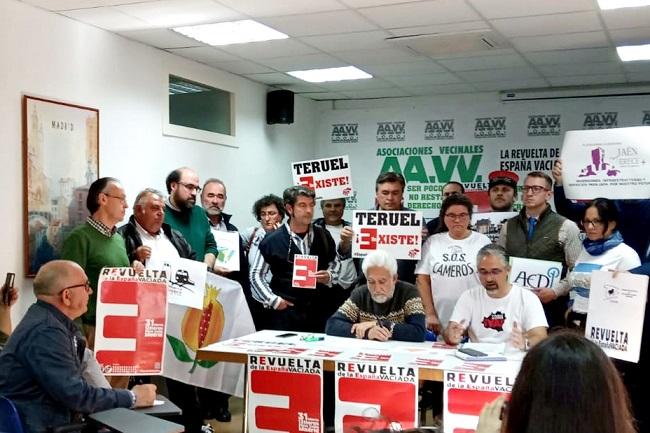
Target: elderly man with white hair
(382, 309)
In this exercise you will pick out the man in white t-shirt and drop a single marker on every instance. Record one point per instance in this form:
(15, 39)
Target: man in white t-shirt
(497, 311)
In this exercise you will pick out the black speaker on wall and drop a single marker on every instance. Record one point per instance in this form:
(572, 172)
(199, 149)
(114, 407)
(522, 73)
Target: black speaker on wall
(279, 107)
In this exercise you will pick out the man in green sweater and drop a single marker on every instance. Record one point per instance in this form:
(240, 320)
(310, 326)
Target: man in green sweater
(182, 214)
(96, 243)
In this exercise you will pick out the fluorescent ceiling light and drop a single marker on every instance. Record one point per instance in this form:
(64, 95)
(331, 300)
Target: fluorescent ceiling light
(617, 4)
(234, 32)
(631, 53)
(331, 74)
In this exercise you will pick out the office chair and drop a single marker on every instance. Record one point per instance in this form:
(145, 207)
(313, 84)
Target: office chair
(9, 419)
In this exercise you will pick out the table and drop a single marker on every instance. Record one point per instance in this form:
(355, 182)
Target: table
(168, 408)
(129, 421)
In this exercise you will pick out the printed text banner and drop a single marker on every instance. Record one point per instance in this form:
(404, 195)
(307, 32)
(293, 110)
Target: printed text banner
(328, 177)
(465, 394)
(284, 394)
(396, 232)
(533, 274)
(375, 397)
(608, 163)
(131, 320)
(616, 312)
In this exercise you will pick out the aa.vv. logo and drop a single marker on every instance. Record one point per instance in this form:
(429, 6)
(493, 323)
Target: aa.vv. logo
(490, 127)
(441, 129)
(391, 131)
(646, 118)
(604, 120)
(345, 133)
(543, 124)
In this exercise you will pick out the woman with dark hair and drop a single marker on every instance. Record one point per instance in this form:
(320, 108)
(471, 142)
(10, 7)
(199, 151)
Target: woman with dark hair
(602, 249)
(566, 385)
(269, 211)
(448, 264)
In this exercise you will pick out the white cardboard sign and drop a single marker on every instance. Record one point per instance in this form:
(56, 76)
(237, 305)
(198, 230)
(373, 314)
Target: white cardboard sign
(533, 273)
(396, 232)
(328, 177)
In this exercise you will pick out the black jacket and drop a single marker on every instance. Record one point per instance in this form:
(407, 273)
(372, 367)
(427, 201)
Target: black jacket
(132, 240)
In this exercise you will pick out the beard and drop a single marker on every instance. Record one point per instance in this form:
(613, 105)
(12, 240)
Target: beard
(504, 207)
(213, 211)
(380, 299)
(184, 204)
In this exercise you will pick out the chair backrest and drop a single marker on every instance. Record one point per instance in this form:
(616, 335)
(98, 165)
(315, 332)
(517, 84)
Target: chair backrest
(9, 419)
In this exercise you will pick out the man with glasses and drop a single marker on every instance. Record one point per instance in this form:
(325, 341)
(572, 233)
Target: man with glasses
(41, 365)
(539, 233)
(497, 311)
(182, 214)
(96, 243)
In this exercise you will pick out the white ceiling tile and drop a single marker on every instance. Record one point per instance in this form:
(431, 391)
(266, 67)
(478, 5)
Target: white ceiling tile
(269, 49)
(322, 23)
(378, 57)
(577, 22)
(497, 86)
(370, 3)
(299, 63)
(161, 38)
(493, 52)
(241, 67)
(519, 8)
(349, 41)
(376, 93)
(637, 77)
(107, 18)
(447, 89)
(499, 74)
(639, 66)
(587, 79)
(403, 68)
(349, 85)
(627, 18)
(483, 62)
(587, 55)
(416, 80)
(439, 28)
(175, 13)
(420, 13)
(62, 5)
(272, 8)
(203, 54)
(636, 36)
(303, 87)
(273, 78)
(569, 69)
(322, 96)
(555, 42)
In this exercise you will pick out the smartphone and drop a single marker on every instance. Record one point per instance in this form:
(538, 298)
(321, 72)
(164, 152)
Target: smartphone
(6, 289)
(286, 334)
(471, 352)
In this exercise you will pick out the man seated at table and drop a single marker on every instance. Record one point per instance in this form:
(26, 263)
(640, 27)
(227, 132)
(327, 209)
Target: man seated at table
(382, 309)
(40, 367)
(497, 311)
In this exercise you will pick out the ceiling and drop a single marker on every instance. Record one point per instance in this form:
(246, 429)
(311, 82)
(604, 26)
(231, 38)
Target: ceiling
(536, 43)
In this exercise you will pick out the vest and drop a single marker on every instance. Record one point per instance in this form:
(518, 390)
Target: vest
(545, 244)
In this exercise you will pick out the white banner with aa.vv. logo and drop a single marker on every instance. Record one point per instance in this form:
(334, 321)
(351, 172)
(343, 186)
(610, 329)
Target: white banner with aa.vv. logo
(616, 311)
(608, 163)
(534, 274)
(225, 315)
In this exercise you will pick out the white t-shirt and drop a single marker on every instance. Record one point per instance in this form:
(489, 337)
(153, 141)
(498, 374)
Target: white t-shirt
(451, 265)
(620, 258)
(162, 248)
(490, 319)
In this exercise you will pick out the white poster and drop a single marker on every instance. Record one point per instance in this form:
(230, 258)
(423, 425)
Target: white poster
(533, 274)
(616, 311)
(228, 247)
(608, 163)
(328, 177)
(396, 232)
(490, 223)
(186, 281)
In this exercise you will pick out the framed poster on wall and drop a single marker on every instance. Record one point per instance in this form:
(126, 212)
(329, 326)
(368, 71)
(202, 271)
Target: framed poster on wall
(61, 160)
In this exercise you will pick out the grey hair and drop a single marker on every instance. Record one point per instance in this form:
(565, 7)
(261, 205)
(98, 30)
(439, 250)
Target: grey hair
(215, 180)
(49, 276)
(142, 195)
(379, 259)
(496, 251)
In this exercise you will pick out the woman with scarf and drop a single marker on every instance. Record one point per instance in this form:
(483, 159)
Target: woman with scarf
(602, 249)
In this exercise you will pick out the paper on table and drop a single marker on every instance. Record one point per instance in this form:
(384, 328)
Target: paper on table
(158, 402)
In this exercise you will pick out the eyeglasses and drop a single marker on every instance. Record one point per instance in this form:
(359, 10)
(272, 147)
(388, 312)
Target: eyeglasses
(493, 272)
(594, 223)
(85, 285)
(535, 189)
(454, 216)
(190, 187)
(121, 199)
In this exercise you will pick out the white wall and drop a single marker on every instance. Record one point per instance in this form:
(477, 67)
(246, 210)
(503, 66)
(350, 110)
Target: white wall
(50, 56)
